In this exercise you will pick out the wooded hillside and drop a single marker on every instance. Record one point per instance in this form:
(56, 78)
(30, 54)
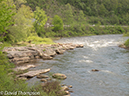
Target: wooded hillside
(103, 11)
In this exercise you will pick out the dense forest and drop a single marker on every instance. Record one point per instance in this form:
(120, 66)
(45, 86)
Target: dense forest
(103, 11)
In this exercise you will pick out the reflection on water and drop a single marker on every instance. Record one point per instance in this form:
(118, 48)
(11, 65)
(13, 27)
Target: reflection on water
(100, 52)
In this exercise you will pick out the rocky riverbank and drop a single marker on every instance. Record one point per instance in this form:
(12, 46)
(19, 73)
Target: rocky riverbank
(20, 55)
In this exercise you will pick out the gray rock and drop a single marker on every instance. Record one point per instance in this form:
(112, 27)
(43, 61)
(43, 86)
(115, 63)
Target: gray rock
(24, 67)
(34, 73)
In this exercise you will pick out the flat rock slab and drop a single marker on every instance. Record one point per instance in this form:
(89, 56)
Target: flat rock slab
(34, 73)
(24, 67)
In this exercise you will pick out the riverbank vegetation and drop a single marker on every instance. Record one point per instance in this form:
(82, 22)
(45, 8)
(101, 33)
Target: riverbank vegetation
(36, 21)
(61, 18)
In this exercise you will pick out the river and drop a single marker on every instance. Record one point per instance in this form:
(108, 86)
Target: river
(100, 52)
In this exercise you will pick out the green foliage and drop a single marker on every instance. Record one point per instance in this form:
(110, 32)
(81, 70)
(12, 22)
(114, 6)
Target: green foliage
(40, 21)
(7, 82)
(58, 23)
(68, 14)
(127, 43)
(107, 11)
(5, 19)
(39, 40)
(23, 24)
(18, 3)
(52, 88)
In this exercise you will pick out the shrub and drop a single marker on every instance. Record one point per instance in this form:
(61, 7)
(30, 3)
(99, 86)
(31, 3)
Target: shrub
(127, 43)
(53, 88)
(58, 23)
(39, 40)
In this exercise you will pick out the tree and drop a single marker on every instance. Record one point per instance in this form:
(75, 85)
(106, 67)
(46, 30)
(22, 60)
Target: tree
(18, 3)
(58, 23)
(40, 20)
(5, 19)
(23, 24)
(102, 10)
(68, 12)
(81, 17)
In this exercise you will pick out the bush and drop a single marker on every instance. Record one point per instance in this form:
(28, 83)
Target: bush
(58, 23)
(39, 40)
(127, 43)
(120, 30)
(53, 88)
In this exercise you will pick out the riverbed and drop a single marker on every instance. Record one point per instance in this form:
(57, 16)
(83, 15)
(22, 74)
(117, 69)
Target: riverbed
(100, 52)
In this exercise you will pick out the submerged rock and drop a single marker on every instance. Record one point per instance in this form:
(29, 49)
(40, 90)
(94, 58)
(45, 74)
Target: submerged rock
(95, 70)
(70, 86)
(71, 91)
(42, 76)
(59, 76)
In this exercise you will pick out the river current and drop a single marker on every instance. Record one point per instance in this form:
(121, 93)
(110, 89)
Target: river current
(100, 52)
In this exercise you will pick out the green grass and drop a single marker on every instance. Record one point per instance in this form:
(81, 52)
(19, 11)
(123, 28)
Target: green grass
(39, 40)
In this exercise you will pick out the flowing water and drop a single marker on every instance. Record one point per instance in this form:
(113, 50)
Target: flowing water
(99, 52)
